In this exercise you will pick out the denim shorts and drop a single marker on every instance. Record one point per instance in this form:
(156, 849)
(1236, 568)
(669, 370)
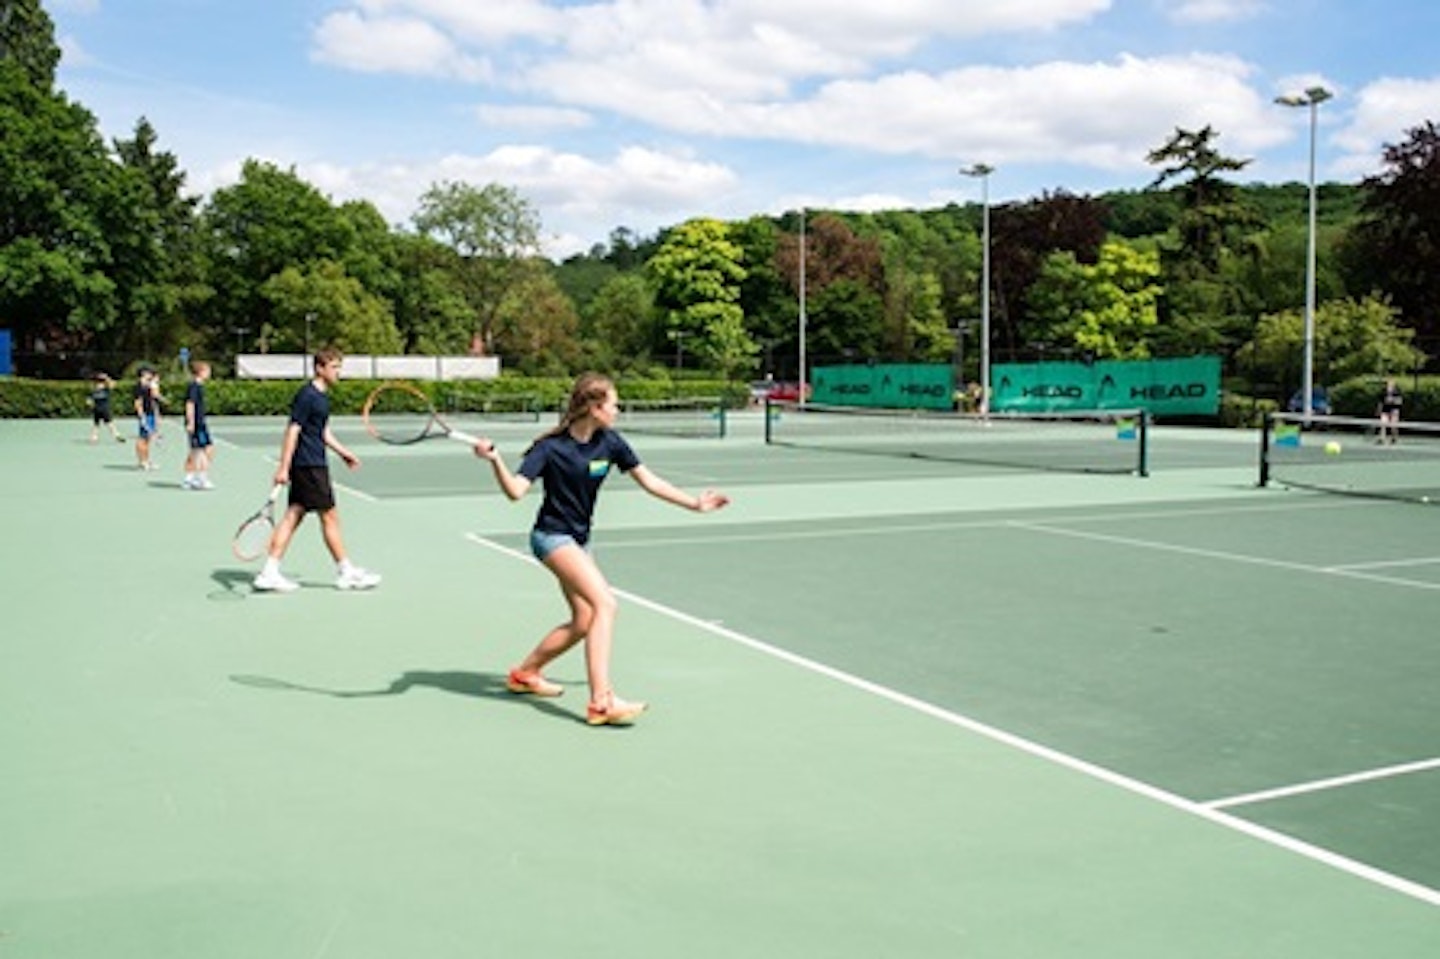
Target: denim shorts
(543, 543)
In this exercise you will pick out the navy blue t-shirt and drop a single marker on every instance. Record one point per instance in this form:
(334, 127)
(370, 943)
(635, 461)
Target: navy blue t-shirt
(311, 410)
(195, 395)
(572, 473)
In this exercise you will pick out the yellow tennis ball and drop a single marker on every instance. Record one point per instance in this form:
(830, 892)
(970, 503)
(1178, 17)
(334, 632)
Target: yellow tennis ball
(1332, 448)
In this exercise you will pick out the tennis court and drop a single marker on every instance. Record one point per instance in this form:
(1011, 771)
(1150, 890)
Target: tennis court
(899, 707)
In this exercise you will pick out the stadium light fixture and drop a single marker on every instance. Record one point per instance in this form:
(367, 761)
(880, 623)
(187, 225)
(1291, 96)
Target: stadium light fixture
(983, 171)
(1311, 100)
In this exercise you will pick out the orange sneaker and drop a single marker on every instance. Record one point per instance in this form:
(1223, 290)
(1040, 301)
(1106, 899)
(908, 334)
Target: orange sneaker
(532, 683)
(611, 710)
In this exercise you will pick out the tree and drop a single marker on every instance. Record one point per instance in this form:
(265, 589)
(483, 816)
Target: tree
(494, 231)
(697, 274)
(1396, 247)
(55, 178)
(431, 312)
(536, 326)
(1210, 209)
(255, 229)
(617, 325)
(1104, 310)
(151, 226)
(1352, 338)
(27, 37)
(319, 303)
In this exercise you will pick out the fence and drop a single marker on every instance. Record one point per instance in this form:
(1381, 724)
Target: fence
(296, 366)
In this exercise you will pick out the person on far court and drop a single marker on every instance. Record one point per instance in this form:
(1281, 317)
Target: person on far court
(1391, 399)
(572, 461)
(199, 446)
(100, 412)
(305, 469)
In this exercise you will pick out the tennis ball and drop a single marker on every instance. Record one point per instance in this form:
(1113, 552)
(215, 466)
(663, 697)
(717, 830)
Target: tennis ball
(1332, 448)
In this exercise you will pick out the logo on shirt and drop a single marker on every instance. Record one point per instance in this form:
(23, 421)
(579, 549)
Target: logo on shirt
(598, 468)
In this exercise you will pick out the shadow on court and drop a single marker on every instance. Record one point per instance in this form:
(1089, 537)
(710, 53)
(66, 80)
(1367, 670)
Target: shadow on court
(469, 684)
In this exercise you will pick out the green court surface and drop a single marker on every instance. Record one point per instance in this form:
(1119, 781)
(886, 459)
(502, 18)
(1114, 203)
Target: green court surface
(898, 708)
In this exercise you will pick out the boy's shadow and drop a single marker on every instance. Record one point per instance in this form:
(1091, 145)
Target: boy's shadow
(474, 685)
(234, 584)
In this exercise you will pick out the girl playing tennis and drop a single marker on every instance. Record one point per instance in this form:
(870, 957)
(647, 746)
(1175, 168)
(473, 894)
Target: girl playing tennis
(573, 460)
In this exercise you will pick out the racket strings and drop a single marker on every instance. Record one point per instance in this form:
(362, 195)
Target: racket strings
(253, 538)
(398, 413)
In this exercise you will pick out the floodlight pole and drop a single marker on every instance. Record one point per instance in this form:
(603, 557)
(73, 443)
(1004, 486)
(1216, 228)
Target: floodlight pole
(803, 323)
(1311, 98)
(983, 171)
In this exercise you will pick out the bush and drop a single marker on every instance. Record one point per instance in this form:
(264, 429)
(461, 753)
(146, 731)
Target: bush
(55, 399)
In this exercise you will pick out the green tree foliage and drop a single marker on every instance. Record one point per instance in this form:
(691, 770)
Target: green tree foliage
(536, 327)
(431, 311)
(252, 231)
(844, 288)
(1210, 208)
(27, 38)
(55, 179)
(617, 326)
(1104, 310)
(1396, 247)
(697, 274)
(495, 232)
(1352, 338)
(151, 227)
(319, 303)
(1021, 236)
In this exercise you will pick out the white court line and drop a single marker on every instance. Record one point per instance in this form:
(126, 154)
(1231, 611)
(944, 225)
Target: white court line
(1320, 785)
(831, 532)
(1417, 561)
(1289, 843)
(1348, 573)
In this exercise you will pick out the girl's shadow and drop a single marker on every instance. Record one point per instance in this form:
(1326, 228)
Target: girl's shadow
(474, 685)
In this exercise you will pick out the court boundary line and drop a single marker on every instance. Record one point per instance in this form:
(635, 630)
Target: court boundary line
(1225, 555)
(719, 535)
(1199, 810)
(1322, 785)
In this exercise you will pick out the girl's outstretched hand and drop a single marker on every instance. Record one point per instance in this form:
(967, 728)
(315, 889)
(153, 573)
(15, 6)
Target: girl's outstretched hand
(711, 500)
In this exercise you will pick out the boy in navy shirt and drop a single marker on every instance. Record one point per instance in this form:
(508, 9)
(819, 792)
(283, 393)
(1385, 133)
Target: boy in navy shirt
(305, 468)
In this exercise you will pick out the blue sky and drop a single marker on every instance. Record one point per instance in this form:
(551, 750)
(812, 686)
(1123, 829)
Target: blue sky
(644, 113)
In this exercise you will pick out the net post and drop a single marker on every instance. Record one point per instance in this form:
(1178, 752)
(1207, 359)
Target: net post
(1265, 434)
(720, 415)
(768, 438)
(1144, 442)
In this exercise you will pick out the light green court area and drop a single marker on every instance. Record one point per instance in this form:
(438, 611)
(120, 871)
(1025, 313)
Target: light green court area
(898, 708)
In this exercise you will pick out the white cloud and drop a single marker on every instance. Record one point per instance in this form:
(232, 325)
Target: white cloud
(1384, 112)
(1213, 11)
(393, 45)
(638, 187)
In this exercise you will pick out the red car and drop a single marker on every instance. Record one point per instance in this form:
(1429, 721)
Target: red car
(778, 390)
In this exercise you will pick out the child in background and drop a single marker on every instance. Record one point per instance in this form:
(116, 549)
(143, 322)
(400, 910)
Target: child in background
(197, 430)
(100, 412)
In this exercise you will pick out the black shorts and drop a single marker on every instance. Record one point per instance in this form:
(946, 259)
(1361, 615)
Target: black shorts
(200, 439)
(100, 414)
(310, 488)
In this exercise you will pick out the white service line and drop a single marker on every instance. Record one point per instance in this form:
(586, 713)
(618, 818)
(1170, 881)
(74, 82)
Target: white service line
(1347, 572)
(1320, 785)
(1217, 816)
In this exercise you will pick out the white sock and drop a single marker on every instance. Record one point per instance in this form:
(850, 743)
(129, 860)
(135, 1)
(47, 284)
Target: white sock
(272, 567)
(344, 566)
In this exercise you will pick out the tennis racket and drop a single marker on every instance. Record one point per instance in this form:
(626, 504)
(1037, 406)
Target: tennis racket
(399, 414)
(252, 539)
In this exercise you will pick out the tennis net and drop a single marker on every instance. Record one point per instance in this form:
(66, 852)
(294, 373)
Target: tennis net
(701, 417)
(1339, 454)
(1095, 441)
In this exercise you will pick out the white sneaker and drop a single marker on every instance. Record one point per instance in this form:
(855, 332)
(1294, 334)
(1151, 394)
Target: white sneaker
(203, 483)
(268, 582)
(189, 482)
(356, 578)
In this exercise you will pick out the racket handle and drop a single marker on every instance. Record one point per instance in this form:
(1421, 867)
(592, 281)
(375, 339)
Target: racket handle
(465, 438)
(275, 491)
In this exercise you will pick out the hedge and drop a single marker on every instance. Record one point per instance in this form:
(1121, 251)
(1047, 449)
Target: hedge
(52, 399)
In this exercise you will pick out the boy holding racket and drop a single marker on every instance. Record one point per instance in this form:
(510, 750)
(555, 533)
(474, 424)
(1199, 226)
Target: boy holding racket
(305, 468)
(572, 460)
(100, 413)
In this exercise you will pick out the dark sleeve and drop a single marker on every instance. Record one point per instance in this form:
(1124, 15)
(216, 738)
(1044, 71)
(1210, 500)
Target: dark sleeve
(622, 454)
(533, 463)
